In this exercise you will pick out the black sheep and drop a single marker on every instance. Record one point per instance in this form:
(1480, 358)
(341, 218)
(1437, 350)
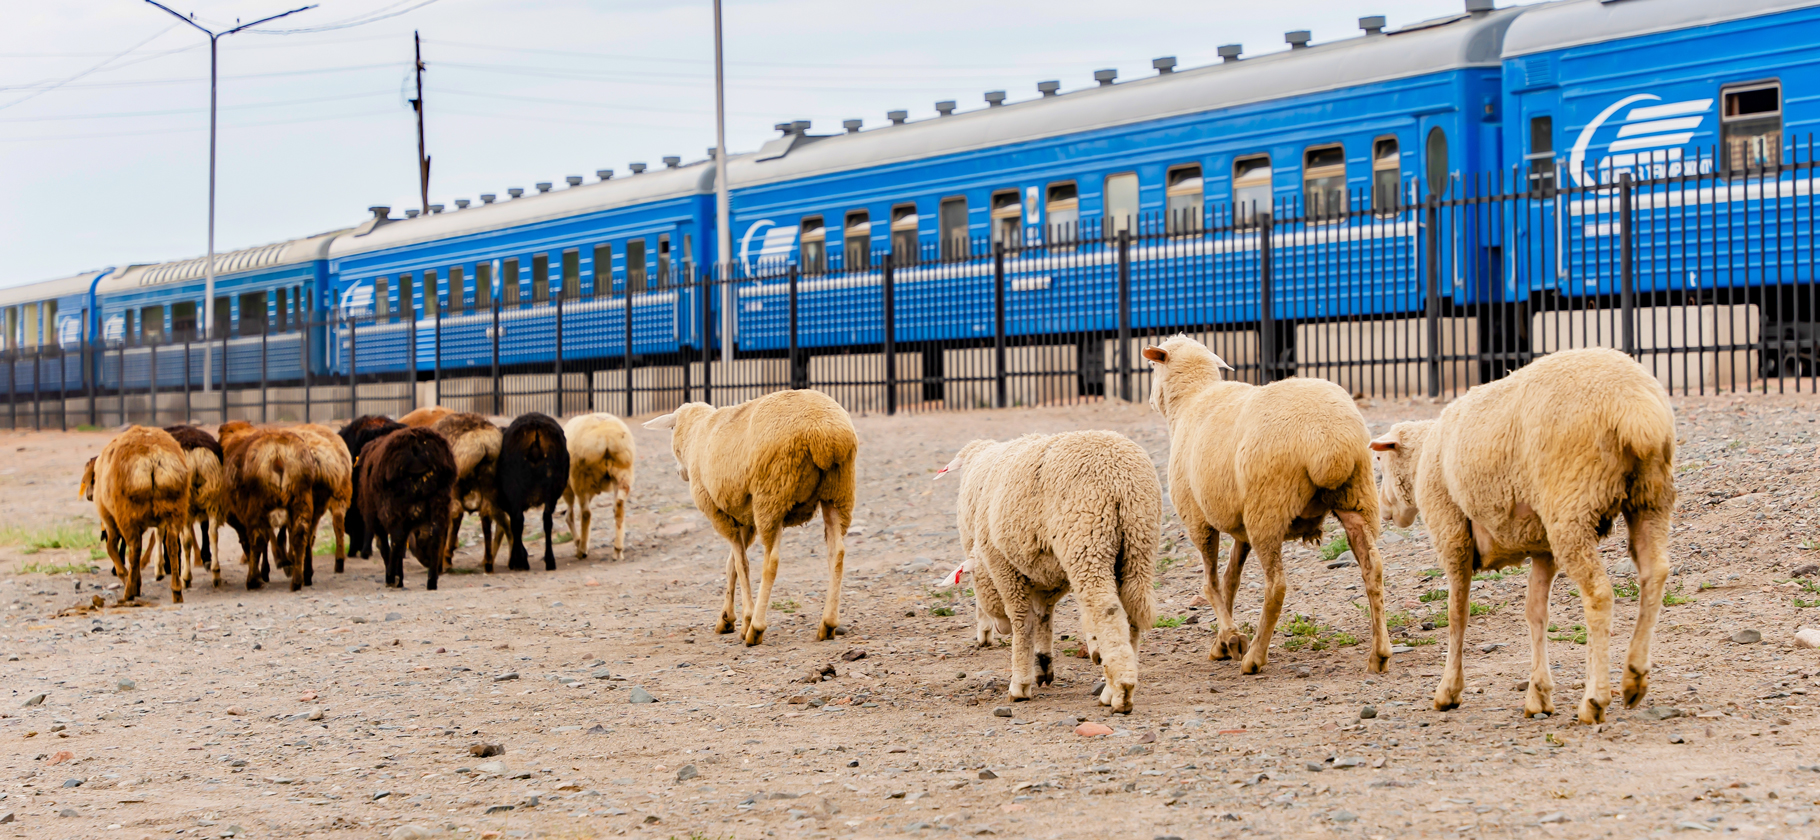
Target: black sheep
(357, 434)
(407, 480)
(533, 470)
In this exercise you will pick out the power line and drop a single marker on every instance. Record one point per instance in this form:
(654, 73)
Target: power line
(190, 80)
(115, 57)
(374, 16)
(148, 132)
(1006, 68)
(175, 111)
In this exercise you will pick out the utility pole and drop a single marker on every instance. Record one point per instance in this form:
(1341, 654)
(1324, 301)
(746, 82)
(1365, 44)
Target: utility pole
(423, 160)
(208, 304)
(723, 233)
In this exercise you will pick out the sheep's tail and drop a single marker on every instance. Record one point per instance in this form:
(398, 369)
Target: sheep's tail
(1136, 569)
(1332, 466)
(1646, 429)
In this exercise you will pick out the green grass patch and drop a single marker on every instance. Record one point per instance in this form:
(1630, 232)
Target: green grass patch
(88, 427)
(58, 569)
(1502, 573)
(75, 533)
(1431, 574)
(1166, 562)
(1398, 620)
(1626, 589)
(1342, 638)
(1335, 548)
(1577, 635)
(1707, 584)
(1675, 598)
(1432, 596)
(1803, 603)
(1418, 641)
(1301, 625)
(933, 611)
(788, 605)
(1170, 621)
(1480, 609)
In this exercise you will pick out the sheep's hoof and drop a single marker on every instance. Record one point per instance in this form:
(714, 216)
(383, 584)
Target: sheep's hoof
(1378, 663)
(518, 566)
(1591, 711)
(297, 584)
(1120, 698)
(1045, 673)
(549, 564)
(619, 553)
(724, 625)
(1021, 691)
(1445, 702)
(176, 596)
(1635, 686)
(825, 632)
(1539, 700)
(254, 582)
(753, 636)
(340, 564)
(1253, 663)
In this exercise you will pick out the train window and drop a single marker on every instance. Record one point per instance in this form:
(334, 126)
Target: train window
(1120, 203)
(224, 312)
(458, 288)
(1185, 189)
(1063, 210)
(432, 295)
(508, 282)
(1437, 161)
(1252, 190)
(1386, 175)
(540, 278)
(688, 252)
(1541, 155)
(904, 238)
(953, 223)
(1324, 181)
(814, 259)
(12, 328)
(151, 324)
(407, 298)
(483, 285)
(183, 321)
(856, 240)
(603, 269)
(663, 261)
(1752, 126)
(31, 324)
(50, 322)
(283, 319)
(635, 265)
(253, 314)
(382, 289)
(1007, 219)
(571, 274)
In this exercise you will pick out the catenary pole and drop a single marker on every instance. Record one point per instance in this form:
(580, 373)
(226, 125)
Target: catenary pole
(208, 303)
(723, 232)
(423, 160)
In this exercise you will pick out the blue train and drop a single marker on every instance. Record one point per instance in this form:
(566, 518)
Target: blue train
(1348, 137)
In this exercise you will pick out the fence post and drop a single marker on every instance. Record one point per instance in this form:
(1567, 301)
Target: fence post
(153, 390)
(89, 367)
(120, 389)
(353, 370)
(410, 351)
(264, 371)
(1432, 310)
(627, 364)
(439, 307)
(1124, 315)
(497, 407)
(707, 333)
(1626, 267)
(559, 294)
(1267, 326)
(306, 328)
(795, 381)
(1000, 394)
(890, 339)
(37, 374)
(189, 411)
(12, 391)
(223, 379)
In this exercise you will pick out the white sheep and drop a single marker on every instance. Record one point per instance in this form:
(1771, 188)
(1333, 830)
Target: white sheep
(601, 456)
(759, 467)
(1536, 466)
(1042, 515)
(1265, 464)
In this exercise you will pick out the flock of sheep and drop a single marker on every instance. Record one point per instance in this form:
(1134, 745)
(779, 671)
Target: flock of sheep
(1535, 467)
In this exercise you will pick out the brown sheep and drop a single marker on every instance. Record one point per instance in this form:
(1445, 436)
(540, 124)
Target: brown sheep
(1536, 466)
(208, 499)
(334, 486)
(407, 481)
(1044, 515)
(272, 474)
(601, 459)
(142, 483)
(475, 442)
(359, 432)
(428, 415)
(1265, 465)
(757, 468)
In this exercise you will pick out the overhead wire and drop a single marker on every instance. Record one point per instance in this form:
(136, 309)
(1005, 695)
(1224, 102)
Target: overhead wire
(117, 56)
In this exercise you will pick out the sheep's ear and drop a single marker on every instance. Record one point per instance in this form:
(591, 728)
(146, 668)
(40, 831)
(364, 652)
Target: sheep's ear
(1221, 363)
(1156, 354)
(952, 465)
(667, 421)
(1384, 444)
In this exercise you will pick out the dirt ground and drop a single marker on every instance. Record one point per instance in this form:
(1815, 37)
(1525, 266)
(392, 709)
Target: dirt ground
(349, 710)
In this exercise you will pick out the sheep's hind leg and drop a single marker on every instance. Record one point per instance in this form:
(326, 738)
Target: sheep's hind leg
(587, 526)
(338, 520)
(1236, 642)
(619, 523)
(1042, 641)
(1459, 595)
(1226, 639)
(580, 536)
(520, 558)
(1371, 569)
(727, 616)
(549, 537)
(1577, 552)
(1270, 556)
(770, 533)
(1016, 597)
(834, 529)
(1539, 700)
(173, 553)
(1649, 551)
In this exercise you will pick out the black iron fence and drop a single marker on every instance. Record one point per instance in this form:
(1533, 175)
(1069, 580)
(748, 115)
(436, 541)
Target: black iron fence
(1706, 276)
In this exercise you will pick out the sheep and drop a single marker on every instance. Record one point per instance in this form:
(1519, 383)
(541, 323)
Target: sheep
(1537, 466)
(601, 455)
(1265, 464)
(272, 477)
(475, 441)
(357, 434)
(86, 489)
(334, 488)
(142, 482)
(533, 472)
(408, 480)
(757, 468)
(425, 416)
(208, 499)
(1044, 514)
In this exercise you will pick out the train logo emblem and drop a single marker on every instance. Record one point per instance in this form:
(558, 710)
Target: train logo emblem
(1647, 143)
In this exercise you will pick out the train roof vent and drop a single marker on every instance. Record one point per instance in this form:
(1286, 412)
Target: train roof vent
(1298, 39)
(637, 168)
(897, 117)
(1372, 24)
(1105, 77)
(604, 174)
(411, 214)
(1163, 66)
(435, 208)
(1050, 88)
(944, 108)
(488, 198)
(462, 203)
(995, 98)
(1474, 7)
(672, 161)
(573, 180)
(1231, 52)
(852, 126)
(381, 212)
(544, 186)
(515, 191)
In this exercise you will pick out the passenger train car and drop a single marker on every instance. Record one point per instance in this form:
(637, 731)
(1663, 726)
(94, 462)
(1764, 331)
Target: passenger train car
(1550, 98)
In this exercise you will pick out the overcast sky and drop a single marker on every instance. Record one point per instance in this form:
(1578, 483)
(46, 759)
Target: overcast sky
(103, 103)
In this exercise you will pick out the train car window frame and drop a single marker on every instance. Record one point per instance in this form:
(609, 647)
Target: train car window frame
(432, 295)
(954, 228)
(407, 297)
(635, 265)
(1007, 212)
(812, 254)
(1435, 164)
(663, 261)
(1062, 211)
(282, 321)
(483, 285)
(1324, 193)
(30, 317)
(1184, 198)
(906, 233)
(458, 289)
(603, 270)
(688, 253)
(255, 315)
(571, 274)
(12, 328)
(382, 293)
(156, 316)
(1751, 140)
(540, 278)
(183, 321)
(1253, 188)
(1119, 203)
(1386, 175)
(224, 316)
(1539, 160)
(509, 282)
(856, 240)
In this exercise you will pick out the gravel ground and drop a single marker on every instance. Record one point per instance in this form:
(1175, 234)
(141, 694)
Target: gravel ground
(353, 711)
